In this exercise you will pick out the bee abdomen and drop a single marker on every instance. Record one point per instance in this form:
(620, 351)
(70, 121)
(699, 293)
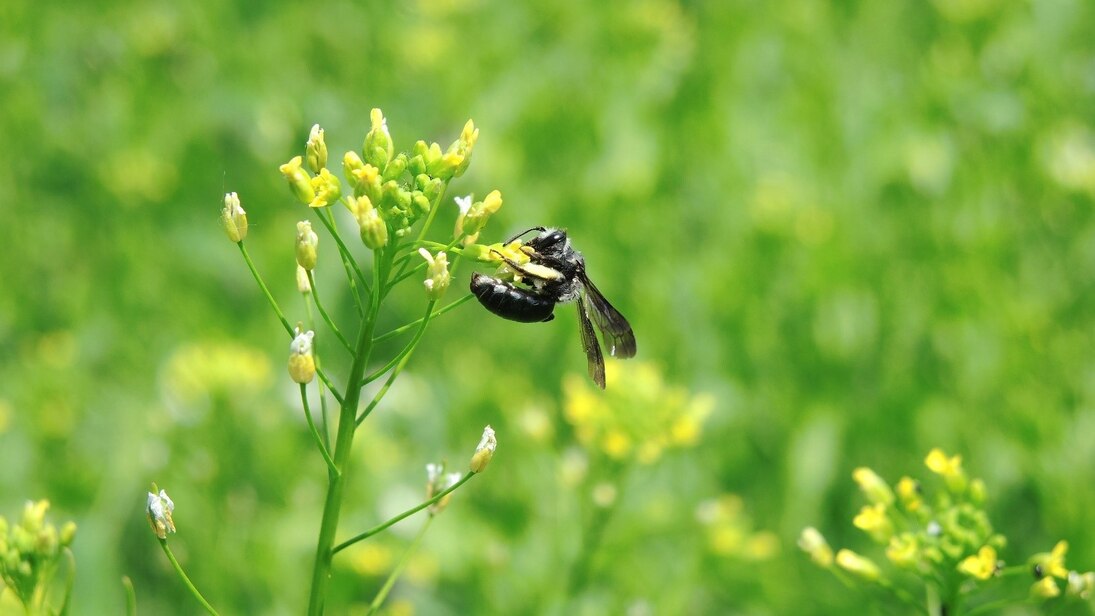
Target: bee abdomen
(510, 302)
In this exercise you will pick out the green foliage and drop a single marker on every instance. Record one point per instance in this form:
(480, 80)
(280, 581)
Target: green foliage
(864, 228)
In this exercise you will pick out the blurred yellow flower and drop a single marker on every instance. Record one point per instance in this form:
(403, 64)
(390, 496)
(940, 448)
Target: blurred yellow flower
(874, 487)
(813, 543)
(209, 369)
(980, 566)
(858, 565)
(874, 520)
(950, 469)
(1045, 588)
(908, 490)
(372, 559)
(902, 550)
(1052, 564)
(638, 417)
(729, 530)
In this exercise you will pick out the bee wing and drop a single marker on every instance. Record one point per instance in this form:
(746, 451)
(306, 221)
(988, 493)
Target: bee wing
(595, 360)
(617, 332)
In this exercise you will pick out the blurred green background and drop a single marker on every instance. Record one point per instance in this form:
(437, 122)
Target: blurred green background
(860, 229)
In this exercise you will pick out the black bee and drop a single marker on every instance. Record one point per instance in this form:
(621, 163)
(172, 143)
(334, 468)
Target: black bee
(555, 274)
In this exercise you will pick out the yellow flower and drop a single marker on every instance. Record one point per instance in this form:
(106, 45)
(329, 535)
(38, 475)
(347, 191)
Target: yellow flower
(908, 490)
(858, 565)
(948, 468)
(1052, 564)
(1045, 588)
(873, 520)
(874, 487)
(981, 566)
(902, 550)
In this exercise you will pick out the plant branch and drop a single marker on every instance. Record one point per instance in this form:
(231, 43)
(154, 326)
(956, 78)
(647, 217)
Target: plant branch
(186, 580)
(315, 433)
(326, 317)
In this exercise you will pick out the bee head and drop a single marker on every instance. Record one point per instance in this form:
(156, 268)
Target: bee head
(549, 240)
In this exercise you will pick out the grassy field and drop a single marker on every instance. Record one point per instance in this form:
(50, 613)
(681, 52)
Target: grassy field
(844, 233)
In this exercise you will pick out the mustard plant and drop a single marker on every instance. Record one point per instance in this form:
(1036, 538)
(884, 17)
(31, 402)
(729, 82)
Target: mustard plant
(32, 552)
(942, 554)
(393, 198)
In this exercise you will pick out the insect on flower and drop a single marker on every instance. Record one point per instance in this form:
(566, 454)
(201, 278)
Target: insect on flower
(555, 273)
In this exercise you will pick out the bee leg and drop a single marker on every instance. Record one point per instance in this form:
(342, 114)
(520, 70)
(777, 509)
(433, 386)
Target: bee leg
(517, 267)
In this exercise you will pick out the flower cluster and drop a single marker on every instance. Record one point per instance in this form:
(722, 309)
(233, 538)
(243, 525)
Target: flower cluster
(389, 190)
(946, 540)
(730, 531)
(638, 418)
(30, 554)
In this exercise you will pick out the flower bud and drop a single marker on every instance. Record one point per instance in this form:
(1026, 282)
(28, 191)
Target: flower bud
(813, 543)
(378, 146)
(374, 231)
(233, 218)
(302, 365)
(299, 182)
(315, 151)
(474, 216)
(874, 487)
(902, 550)
(68, 533)
(303, 284)
(307, 242)
(327, 189)
(420, 202)
(485, 451)
(351, 165)
(1045, 588)
(159, 510)
(949, 468)
(466, 142)
(417, 164)
(858, 565)
(437, 274)
(874, 520)
(395, 168)
(437, 481)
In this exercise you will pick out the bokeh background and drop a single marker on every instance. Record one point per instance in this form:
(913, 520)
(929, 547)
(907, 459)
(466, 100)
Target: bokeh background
(850, 231)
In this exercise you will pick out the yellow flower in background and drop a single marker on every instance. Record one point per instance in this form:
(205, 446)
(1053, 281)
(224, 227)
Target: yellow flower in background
(981, 566)
(813, 543)
(874, 520)
(1052, 563)
(908, 490)
(950, 469)
(638, 417)
(903, 550)
(729, 530)
(210, 369)
(1046, 588)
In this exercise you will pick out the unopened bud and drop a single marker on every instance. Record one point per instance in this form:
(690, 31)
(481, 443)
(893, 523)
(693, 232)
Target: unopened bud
(485, 451)
(874, 487)
(351, 165)
(159, 510)
(858, 565)
(233, 218)
(378, 146)
(813, 543)
(299, 182)
(68, 533)
(307, 242)
(395, 167)
(315, 151)
(302, 365)
(374, 231)
(437, 274)
(303, 284)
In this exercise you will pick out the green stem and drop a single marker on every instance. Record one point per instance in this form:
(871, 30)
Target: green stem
(353, 272)
(71, 559)
(130, 596)
(281, 316)
(398, 369)
(424, 321)
(315, 433)
(390, 582)
(326, 317)
(409, 326)
(399, 518)
(265, 289)
(182, 574)
(321, 572)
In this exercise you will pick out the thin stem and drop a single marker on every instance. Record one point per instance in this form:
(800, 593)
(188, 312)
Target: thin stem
(409, 326)
(326, 317)
(413, 510)
(71, 559)
(424, 321)
(321, 572)
(182, 574)
(322, 386)
(281, 316)
(353, 272)
(265, 289)
(390, 582)
(315, 433)
(130, 596)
